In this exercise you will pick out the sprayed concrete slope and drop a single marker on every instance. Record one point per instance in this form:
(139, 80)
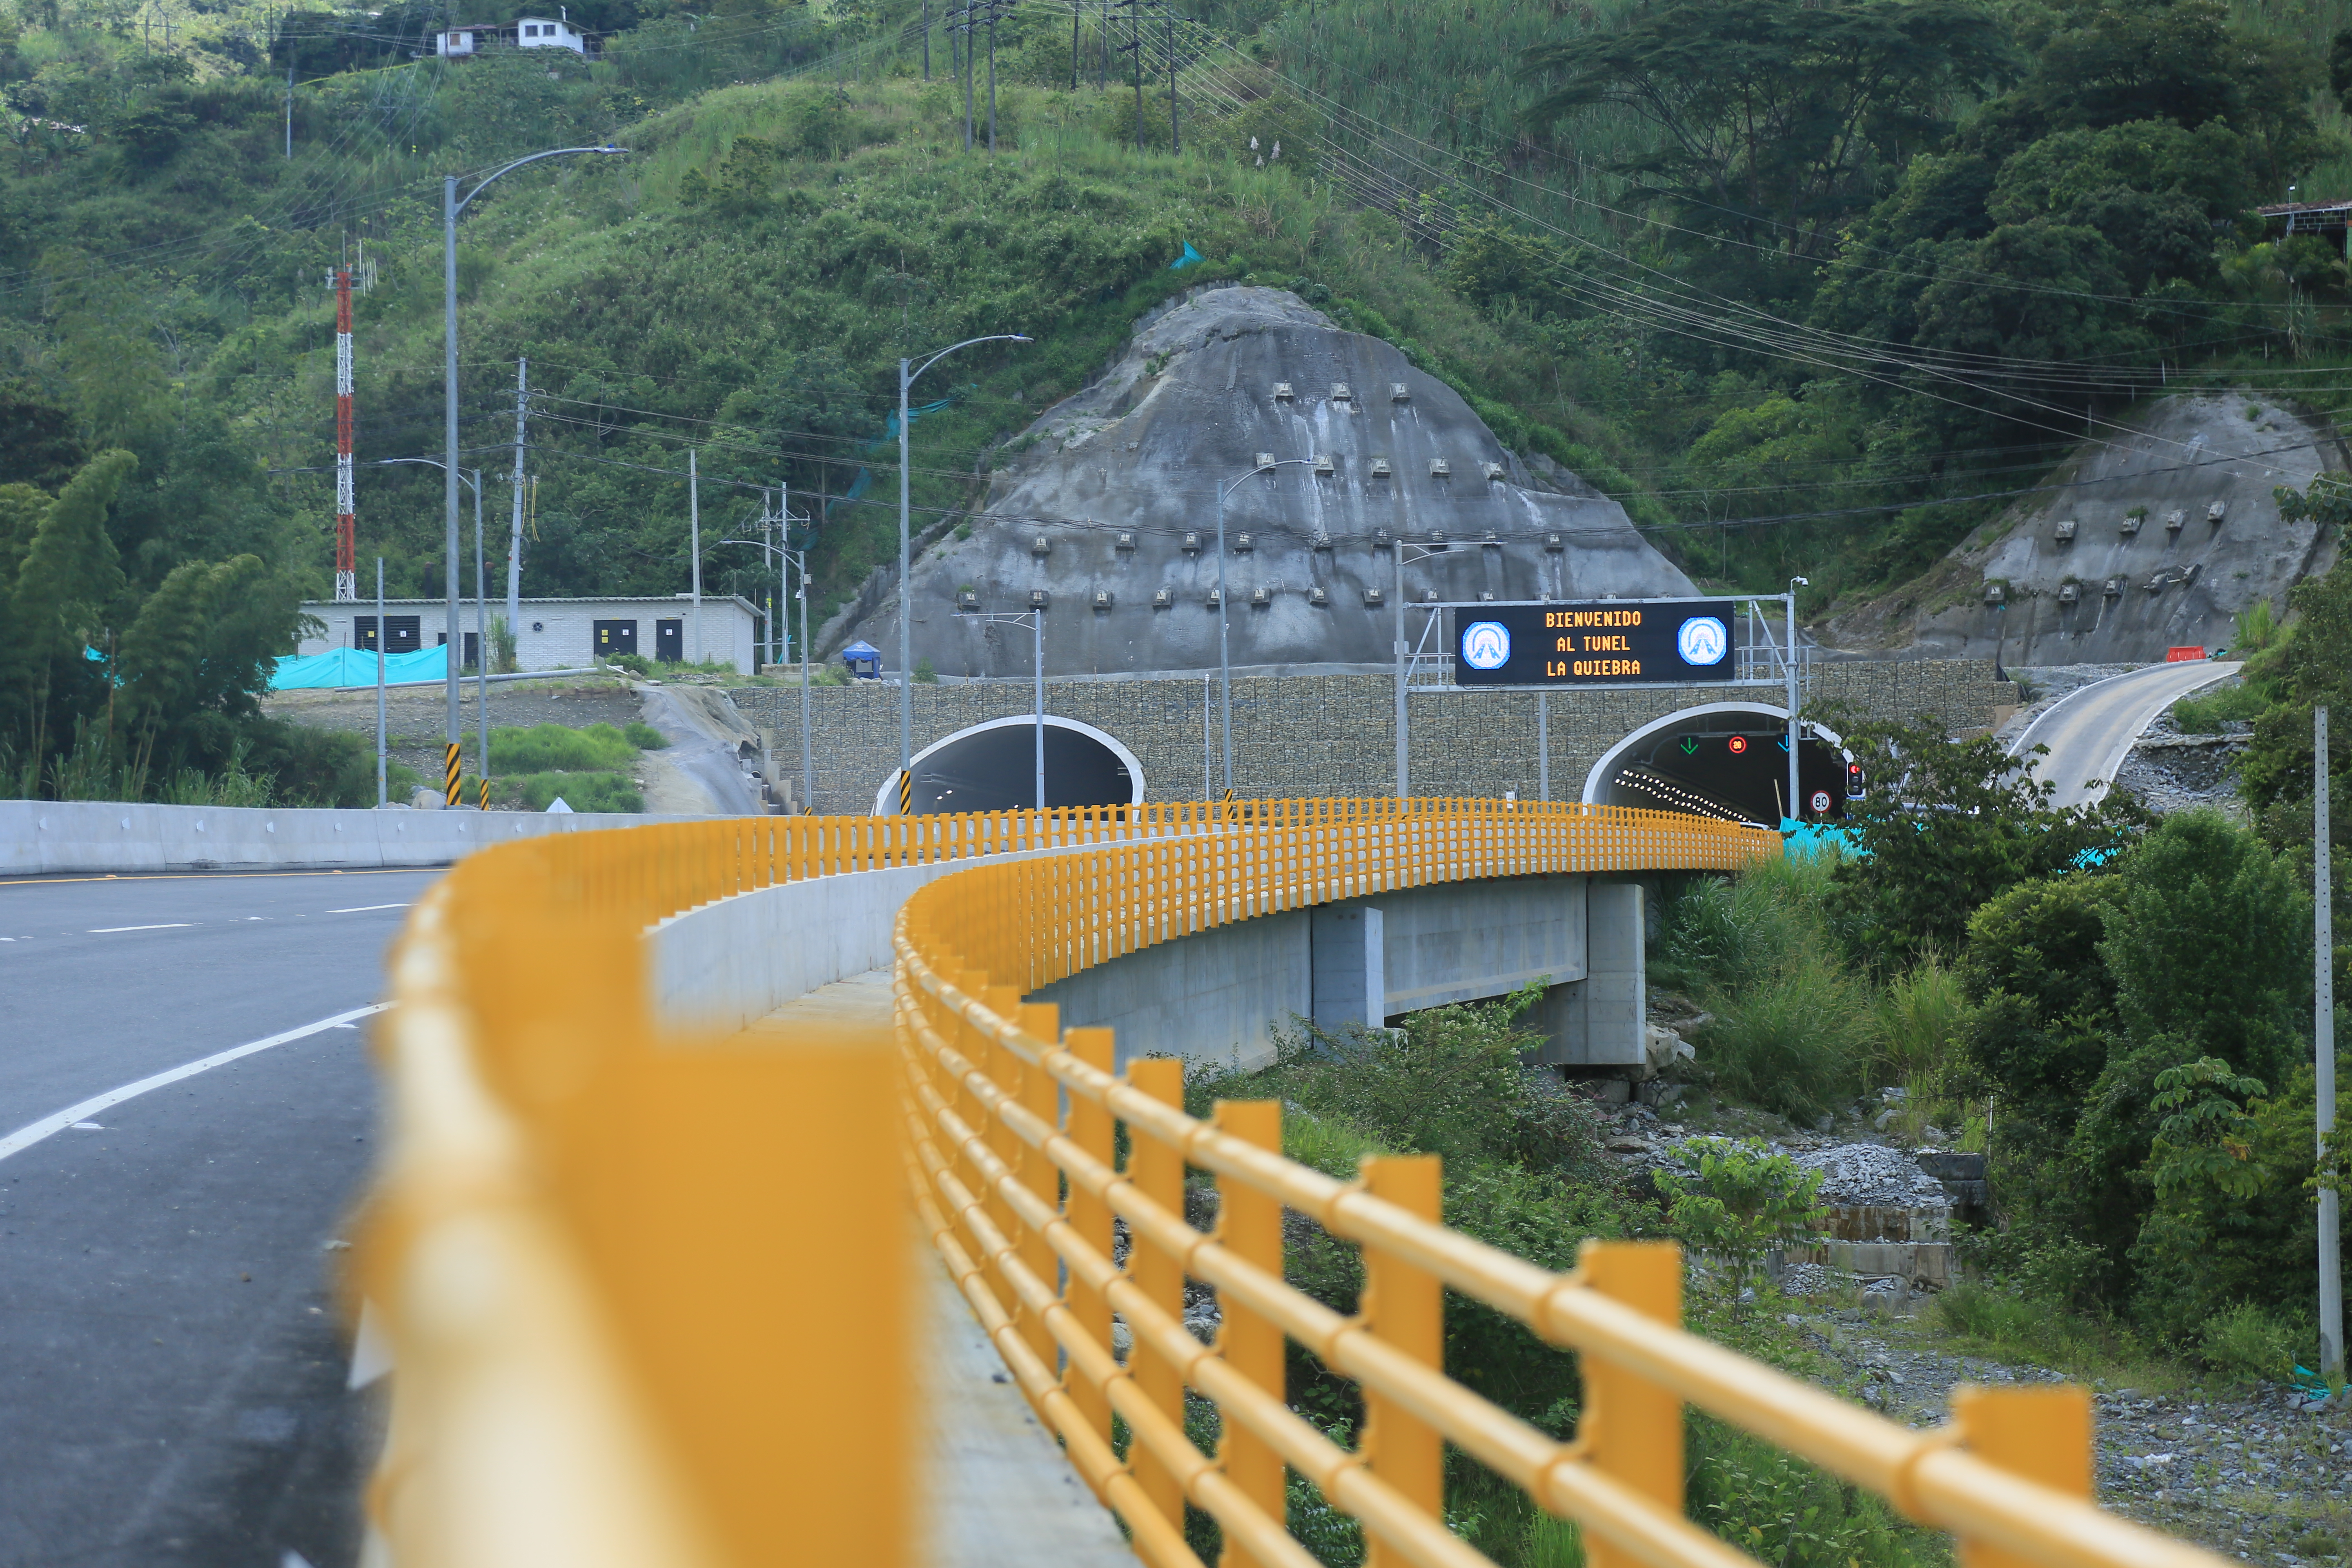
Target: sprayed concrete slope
(2173, 576)
(1188, 408)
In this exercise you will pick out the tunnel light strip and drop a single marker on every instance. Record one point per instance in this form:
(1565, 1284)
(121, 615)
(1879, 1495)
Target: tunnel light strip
(1681, 799)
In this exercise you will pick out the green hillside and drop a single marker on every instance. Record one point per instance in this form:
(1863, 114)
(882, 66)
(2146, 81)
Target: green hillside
(1792, 282)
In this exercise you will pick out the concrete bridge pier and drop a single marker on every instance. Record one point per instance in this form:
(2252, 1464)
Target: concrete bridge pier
(1223, 993)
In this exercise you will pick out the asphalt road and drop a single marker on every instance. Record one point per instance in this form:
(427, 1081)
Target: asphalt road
(2089, 732)
(172, 1360)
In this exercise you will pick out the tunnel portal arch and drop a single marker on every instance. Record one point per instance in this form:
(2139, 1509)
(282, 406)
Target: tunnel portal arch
(1726, 761)
(993, 767)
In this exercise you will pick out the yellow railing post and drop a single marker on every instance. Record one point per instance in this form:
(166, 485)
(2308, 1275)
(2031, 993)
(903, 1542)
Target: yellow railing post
(1632, 1429)
(1249, 1225)
(1037, 1093)
(1089, 1127)
(1157, 1172)
(2043, 1433)
(1404, 1306)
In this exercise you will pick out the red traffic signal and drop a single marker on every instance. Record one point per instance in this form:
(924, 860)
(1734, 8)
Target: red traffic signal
(1855, 786)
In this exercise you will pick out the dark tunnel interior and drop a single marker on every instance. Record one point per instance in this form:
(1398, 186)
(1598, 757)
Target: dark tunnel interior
(1729, 766)
(995, 770)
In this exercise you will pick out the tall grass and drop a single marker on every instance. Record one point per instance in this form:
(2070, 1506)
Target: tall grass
(1793, 1026)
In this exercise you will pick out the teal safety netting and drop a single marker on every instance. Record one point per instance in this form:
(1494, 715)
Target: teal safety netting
(356, 667)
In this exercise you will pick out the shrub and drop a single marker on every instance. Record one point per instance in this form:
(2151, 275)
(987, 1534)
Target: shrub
(1744, 1198)
(635, 664)
(644, 736)
(2247, 1343)
(2206, 715)
(580, 791)
(549, 748)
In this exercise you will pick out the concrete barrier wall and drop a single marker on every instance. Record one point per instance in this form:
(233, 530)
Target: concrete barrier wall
(728, 964)
(60, 837)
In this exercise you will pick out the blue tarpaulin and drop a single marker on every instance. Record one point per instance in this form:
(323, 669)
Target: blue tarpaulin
(1187, 259)
(356, 667)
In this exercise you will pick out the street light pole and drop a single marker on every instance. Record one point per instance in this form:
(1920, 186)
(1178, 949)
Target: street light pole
(450, 207)
(452, 640)
(906, 553)
(1788, 667)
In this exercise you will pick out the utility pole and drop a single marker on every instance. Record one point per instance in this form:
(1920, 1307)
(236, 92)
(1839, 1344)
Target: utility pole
(966, 29)
(693, 544)
(514, 539)
(347, 580)
(927, 40)
(1175, 136)
(289, 102)
(2322, 1045)
(1102, 68)
(1077, 14)
(996, 9)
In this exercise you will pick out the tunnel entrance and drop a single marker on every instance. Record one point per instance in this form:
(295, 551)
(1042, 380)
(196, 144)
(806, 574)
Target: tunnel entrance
(1729, 761)
(993, 767)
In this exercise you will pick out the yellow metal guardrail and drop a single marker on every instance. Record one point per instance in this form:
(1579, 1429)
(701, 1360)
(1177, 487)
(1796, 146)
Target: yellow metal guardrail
(1011, 1125)
(644, 1310)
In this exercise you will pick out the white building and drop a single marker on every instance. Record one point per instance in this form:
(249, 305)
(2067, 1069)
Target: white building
(524, 33)
(556, 634)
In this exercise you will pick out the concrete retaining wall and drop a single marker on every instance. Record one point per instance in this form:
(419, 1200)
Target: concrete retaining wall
(61, 837)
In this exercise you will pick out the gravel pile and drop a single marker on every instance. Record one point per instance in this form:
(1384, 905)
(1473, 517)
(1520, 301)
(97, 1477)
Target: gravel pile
(1874, 1175)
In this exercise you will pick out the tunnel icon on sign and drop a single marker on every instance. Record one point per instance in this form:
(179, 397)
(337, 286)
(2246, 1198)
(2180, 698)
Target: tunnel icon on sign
(1485, 644)
(1703, 640)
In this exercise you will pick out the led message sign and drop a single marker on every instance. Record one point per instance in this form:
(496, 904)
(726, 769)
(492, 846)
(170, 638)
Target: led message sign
(1686, 642)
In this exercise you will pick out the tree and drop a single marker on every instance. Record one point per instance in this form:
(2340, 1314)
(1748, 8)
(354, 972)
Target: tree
(2210, 945)
(1775, 119)
(2310, 667)
(2044, 1003)
(1946, 826)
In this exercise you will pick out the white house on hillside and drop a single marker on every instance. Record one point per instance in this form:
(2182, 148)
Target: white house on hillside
(524, 33)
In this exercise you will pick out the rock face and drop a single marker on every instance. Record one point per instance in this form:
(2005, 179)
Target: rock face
(2154, 539)
(1108, 506)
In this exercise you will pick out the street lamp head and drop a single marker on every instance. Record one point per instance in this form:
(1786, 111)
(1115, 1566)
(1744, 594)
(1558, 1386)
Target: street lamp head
(1801, 581)
(608, 147)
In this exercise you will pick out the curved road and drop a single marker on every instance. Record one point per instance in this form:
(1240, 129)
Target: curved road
(172, 1368)
(2089, 732)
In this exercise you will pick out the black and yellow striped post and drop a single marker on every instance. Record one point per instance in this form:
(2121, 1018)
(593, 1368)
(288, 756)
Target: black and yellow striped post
(452, 789)
(905, 791)
(482, 796)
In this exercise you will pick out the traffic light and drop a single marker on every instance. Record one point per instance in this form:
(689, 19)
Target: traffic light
(1855, 785)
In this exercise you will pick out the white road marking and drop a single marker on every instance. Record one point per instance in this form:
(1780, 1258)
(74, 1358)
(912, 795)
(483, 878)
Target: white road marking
(364, 909)
(27, 1136)
(110, 930)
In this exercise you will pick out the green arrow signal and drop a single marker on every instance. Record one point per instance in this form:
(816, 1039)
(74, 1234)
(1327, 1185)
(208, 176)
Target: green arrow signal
(1689, 746)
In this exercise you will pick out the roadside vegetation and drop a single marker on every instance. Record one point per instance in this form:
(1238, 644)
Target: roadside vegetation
(1617, 228)
(592, 769)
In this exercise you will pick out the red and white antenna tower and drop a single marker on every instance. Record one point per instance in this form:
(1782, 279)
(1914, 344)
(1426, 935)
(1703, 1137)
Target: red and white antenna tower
(347, 565)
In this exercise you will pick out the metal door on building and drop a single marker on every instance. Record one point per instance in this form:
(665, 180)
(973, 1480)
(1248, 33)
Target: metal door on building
(669, 641)
(403, 634)
(616, 636)
(471, 654)
(364, 632)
